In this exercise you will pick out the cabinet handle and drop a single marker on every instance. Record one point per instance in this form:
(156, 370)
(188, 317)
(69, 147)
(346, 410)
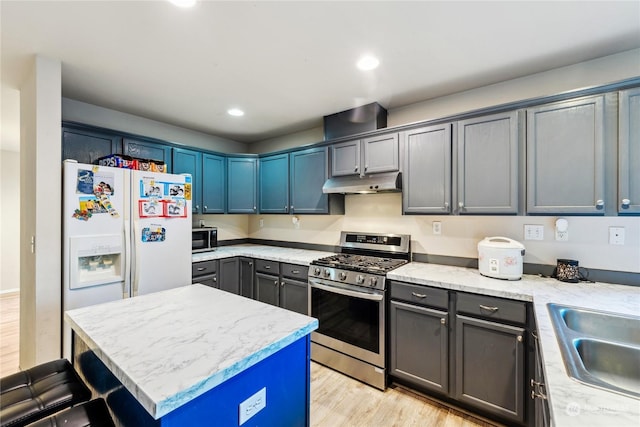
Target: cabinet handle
(443, 321)
(461, 205)
(538, 390)
(197, 207)
(295, 271)
(491, 309)
(254, 208)
(281, 283)
(202, 268)
(215, 279)
(366, 167)
(418, 295)
(275, 282)
(205, 207)
(267, 267)
(626, 203)
(250, 264)
(286, 208)
(519, 338)
(446, 206)
(600, 204)
(355, 169)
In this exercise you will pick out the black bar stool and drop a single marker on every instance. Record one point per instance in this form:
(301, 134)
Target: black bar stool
(35, 393)
(89, 414)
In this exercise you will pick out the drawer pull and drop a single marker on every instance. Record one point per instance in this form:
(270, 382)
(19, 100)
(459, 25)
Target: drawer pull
(443, 321)
(295, 271)
(202, 268)
(267, 267)
(418, 295)
(491, 309)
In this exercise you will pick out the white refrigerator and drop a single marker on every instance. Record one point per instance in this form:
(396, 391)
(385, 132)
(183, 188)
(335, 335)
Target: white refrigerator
(125, 233)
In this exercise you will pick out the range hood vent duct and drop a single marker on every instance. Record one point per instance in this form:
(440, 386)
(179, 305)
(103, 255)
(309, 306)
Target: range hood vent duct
(390, 182)
(362, 119)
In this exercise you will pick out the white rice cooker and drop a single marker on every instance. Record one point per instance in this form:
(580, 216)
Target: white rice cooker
(500, 257)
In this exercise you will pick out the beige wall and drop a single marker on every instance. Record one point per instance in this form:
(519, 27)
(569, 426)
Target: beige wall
(82, 112)
(40, 195)
(588, 237)
(230, 227)
(10, 221)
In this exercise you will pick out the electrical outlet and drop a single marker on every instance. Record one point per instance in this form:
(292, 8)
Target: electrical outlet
(616, 235)
(261, 222)
(252, 405)
(437, 227)
(533, 232)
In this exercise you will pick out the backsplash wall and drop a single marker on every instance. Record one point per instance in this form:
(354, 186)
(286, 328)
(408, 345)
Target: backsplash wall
(588, 236)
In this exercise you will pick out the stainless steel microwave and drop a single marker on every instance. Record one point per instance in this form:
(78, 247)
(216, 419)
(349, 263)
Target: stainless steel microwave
(204, 239)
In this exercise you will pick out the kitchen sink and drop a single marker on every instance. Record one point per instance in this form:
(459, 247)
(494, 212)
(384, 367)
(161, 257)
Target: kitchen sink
(598, 348)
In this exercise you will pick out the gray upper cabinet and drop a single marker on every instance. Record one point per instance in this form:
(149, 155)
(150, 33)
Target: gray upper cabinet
(308, 171)
(87, 146)
(241, 185)
(345, 158)
(369, 155)
(487, 165)
(427, 170)
(629, 152)
(565, 157)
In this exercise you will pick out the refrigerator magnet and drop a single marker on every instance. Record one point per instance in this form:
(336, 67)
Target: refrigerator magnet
(153, 234)
(84, 182)
(174, 209)
(149, 208)
(187, 191)
(176, 190)
(150, 188)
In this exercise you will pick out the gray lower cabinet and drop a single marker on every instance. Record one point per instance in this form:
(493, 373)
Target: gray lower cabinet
(490, 366)
(427, 170)
(205, 272)
(539, 389)
(420, 346)
(283, 285)
(229, 275)
(565, 157)
(487, 165)
(247, 275)
(629, 152)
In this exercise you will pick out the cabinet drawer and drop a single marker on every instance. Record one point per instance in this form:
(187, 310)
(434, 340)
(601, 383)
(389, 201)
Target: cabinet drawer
(421, 295)
(209, 280)
(492, 307)
(271, 267)
(204, 268)
(299, 272)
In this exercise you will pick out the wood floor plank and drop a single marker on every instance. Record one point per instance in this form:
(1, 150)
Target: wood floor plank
(9, 333)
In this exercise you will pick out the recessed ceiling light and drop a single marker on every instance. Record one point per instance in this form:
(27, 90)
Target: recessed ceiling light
(368, 62)
(235, 112)
(183, 3)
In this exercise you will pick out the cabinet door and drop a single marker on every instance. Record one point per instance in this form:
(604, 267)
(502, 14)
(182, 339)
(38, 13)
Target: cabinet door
(241, 185)
(214, 183)
(294, 296)
(419, 346)
(189, 161)
(148, 150)
(565, 157)
(345, 158)
(309, 171)
(539, 390)
(629, 152)
(490, 367)
(488, 165)
(274, 184)
(229, 275)
(267, 289)
(87, 146)
(246, 277)
(381, 154)
(427, 171)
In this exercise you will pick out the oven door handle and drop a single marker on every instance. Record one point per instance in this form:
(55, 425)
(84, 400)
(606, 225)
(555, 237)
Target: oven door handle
(347, 292)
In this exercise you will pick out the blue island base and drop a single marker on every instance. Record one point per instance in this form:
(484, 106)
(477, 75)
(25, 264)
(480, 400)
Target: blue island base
(285, 375)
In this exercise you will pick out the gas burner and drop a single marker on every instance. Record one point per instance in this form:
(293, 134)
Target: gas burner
(362, 263)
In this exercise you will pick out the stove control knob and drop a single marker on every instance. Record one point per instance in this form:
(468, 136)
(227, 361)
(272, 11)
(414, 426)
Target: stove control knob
(343, 275)
(316, 271)
(359, 279)
(373, 281)
(327, 272)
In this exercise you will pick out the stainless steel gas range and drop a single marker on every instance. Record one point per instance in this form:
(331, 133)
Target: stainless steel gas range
(348, 297)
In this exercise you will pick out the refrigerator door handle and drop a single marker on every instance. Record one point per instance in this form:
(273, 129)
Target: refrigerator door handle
(126, 287)
(134, 259)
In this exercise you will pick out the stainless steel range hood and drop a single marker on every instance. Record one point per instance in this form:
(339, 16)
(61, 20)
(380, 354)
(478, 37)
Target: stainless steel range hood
(375, 183)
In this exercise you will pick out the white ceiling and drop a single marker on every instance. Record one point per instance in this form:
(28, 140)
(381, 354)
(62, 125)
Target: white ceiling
(287, 63)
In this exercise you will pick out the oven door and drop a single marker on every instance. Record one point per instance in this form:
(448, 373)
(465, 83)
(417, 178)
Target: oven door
(350, 319)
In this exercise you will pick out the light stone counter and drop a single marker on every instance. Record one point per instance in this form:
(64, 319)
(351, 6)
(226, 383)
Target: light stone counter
(272, 253)
(571, 403)
(170, 347)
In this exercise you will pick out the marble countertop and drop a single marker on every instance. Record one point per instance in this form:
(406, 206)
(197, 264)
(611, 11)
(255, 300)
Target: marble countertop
(169, 347)
(571, 403)
(272, 253)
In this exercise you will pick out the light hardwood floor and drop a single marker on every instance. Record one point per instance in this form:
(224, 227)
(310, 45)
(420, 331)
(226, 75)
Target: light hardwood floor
(336, 400)
(9, 332)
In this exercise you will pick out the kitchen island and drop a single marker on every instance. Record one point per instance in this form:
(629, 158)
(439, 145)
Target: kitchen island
(195, 356)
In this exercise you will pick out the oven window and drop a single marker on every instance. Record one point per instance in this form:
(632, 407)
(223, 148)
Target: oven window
(352, 320)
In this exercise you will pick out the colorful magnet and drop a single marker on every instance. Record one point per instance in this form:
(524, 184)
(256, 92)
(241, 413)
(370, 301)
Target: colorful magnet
(153, 234)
